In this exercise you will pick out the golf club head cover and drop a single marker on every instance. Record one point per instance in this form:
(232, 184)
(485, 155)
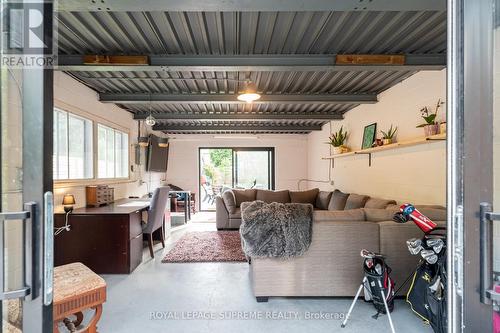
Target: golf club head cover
(423, 222)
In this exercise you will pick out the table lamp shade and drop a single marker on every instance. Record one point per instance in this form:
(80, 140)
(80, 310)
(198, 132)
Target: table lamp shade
(68, 200)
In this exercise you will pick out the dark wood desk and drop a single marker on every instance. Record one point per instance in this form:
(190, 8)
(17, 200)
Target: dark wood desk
(106, 239)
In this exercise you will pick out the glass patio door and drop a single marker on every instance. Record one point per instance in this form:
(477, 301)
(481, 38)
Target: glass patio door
(26, 214)
(253, 168)
(228, 167)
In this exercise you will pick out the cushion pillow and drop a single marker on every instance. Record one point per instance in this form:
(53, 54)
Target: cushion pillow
(308, 197)
(244, 195)
(338, 200)
(323, 199)
(379, 203)
(273, 196)
(355, 201)
(339, 215)
(229, 201)
(378, 215)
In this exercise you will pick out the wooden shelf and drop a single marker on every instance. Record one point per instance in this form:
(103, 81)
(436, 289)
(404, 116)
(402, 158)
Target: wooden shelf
(402, 144)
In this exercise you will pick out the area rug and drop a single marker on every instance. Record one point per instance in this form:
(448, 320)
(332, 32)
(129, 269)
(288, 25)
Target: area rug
(207, 246)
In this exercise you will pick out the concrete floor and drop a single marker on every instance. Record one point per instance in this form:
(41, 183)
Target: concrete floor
(160, 297)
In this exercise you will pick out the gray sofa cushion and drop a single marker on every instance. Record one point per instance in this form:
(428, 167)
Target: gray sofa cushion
(338, 200)
(355, 201)
(339, 215)
(323, 199)
(378, 215)
(229, 201)
(236, 214)
(434, 212)
(378, 203)
(244, 196)
(273, 196)
(308, 196)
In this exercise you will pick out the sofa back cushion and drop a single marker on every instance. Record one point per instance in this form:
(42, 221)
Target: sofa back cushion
(379, 215)
(323, 200)
(338, 200)
(308, 197)
(355, 201)
(244, 195)
(339, 215)
(273, 196)
(378, 203)
(229, 201)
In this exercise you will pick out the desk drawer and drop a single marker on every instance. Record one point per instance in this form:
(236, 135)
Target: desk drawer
(135, 227)
(135, 249)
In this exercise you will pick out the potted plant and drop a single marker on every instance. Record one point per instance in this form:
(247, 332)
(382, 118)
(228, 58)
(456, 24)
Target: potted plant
(337, 140)
(431, 125)
(388, 137)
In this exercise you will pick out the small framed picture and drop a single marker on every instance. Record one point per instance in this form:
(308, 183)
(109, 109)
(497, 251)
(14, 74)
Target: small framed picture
(369, 136)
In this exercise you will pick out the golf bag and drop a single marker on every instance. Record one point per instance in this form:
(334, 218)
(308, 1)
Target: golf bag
(427, 293)
(378, 279)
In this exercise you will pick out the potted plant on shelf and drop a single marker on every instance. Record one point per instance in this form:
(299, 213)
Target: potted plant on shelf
(388, 137)
(337, 140)
(431, 125)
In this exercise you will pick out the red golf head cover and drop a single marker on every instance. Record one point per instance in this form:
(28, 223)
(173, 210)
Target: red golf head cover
(422, 221)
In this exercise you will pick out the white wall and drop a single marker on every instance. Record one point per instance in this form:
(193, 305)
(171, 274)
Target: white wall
(415, 174)
(290, 157)
(72, 96)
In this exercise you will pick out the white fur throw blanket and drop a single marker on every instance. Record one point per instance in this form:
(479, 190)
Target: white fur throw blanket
(275, 229)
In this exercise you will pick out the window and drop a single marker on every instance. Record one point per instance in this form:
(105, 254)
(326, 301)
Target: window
(72, 156)
(112, 153)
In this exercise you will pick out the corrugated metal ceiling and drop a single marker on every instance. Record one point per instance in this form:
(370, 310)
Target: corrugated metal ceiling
(244, 33)
(252, 32)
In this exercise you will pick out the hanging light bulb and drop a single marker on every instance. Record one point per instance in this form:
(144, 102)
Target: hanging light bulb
(250, 93)
(150, 120)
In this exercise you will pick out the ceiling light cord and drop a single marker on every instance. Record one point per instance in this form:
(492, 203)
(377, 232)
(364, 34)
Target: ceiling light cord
(150, 120)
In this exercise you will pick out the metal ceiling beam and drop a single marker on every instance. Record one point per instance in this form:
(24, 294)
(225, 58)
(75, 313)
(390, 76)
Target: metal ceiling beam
(249, 128)
(232, 99)
(242, 116)
(251, 5)
(251, 63)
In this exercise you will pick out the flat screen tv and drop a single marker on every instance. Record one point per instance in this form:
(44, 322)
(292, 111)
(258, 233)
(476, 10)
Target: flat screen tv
(157, 157)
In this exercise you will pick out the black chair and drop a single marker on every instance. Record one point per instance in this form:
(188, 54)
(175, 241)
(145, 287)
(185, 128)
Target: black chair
(156, 215)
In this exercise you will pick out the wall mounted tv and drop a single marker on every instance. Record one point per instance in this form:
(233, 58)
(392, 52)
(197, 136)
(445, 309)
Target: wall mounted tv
(157, 157)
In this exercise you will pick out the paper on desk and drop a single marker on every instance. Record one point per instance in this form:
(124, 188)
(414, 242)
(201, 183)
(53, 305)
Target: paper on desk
(135, 204)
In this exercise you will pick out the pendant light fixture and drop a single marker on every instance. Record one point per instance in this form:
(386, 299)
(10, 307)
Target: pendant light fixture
(142, 141)
(250, 93)
(163, 142)
(150, 120)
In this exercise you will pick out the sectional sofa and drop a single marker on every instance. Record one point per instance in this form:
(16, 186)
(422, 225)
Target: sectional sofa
(343, 224)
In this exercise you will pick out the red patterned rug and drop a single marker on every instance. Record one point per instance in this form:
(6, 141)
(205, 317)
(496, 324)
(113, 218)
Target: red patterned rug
(207, 246)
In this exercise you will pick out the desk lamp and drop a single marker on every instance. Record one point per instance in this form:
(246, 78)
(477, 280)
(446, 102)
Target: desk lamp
(68, 202)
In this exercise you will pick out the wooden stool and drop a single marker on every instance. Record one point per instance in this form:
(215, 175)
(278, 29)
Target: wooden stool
(76, 289)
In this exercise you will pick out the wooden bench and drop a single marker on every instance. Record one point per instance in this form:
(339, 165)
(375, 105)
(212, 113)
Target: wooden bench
(76, 290)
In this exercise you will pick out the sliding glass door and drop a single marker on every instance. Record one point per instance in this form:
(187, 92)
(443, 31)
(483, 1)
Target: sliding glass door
(225, 168)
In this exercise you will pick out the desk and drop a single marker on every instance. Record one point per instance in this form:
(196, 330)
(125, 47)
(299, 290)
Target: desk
(106, 239)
